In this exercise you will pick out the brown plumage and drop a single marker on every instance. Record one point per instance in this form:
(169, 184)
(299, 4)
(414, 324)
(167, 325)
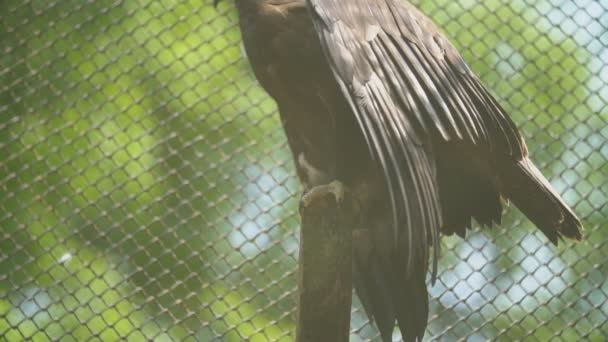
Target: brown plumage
(371, 94)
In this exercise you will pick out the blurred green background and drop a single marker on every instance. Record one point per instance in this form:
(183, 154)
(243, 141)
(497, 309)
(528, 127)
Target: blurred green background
(147, 193)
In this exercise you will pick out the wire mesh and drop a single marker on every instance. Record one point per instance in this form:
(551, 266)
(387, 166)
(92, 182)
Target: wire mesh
(147, 192)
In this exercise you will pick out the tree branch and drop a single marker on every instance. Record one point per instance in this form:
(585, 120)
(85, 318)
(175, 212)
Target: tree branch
(325, 267)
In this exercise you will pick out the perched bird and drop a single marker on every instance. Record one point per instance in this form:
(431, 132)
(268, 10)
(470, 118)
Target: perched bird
(373, 98)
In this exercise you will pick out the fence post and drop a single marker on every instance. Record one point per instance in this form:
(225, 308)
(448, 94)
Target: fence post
(325, 267)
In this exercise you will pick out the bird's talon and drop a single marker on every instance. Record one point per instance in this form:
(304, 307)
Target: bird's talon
(335, 188)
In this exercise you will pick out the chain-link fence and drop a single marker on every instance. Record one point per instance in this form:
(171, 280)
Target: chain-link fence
(147, 192)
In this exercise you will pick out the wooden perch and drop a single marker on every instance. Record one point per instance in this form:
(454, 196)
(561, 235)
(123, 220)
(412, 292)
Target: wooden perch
(325, 267)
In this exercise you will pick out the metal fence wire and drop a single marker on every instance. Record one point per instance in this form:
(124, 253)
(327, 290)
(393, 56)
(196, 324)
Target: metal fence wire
(147, 191)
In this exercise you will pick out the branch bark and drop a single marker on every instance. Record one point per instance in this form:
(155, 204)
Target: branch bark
(325, 267)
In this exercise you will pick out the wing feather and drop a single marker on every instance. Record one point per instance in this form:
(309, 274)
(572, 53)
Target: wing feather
(409, 88)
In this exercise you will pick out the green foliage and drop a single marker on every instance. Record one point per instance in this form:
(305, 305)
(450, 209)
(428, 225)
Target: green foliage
(146, 190)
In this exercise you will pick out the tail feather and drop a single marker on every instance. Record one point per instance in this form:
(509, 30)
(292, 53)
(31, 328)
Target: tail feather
(387, 294)
(379, 276)
(372, 279)
(530, 191)
(413, 307)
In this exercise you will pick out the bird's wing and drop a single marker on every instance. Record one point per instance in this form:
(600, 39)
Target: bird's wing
(408, 87)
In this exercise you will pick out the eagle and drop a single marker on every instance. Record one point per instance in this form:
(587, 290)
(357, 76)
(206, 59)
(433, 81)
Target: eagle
(374, 99)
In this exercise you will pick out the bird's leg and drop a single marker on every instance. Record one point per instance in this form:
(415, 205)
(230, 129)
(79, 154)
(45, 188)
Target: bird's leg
(317, 183)
(336, 188)
(312, 175)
